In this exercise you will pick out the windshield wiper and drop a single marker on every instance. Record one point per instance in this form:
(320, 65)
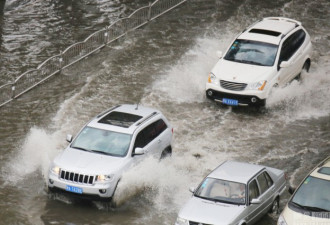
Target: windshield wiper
(101, 152)
(218, 200)
(310, 208)
(80, 148)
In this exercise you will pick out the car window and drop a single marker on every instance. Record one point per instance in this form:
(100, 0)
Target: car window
(149, 133)
(263, 184)
(269, 179)
(313, 195)
(291, 45)
(221, 190)
(253, 190)
(102, 141)
(252, 52)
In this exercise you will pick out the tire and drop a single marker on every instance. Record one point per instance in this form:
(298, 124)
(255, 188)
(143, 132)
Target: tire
(167, 152)
(307, 65)
(275, 209)
(305, 69)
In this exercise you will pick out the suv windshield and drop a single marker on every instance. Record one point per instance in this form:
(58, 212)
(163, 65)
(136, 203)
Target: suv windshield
(102, 141)
(222, 191)
(313, 195)
(252, 52)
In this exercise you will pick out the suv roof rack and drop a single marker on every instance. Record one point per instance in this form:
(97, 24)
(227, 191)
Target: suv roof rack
(284, 19)
(146, 118)
(106, 111)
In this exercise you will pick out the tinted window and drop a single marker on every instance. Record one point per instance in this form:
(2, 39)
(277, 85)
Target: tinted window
(291, 45)
(253, 190)
(269, 179)
(263, 184)
(150, 133)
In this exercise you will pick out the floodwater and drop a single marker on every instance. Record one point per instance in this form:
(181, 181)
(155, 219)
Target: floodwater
(163, 65)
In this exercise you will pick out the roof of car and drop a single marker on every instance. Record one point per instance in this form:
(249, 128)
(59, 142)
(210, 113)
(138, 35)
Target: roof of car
(123, 118)
(322, 170)
(236, 171)
(270, 30)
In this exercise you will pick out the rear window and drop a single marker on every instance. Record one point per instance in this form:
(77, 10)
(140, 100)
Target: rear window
(120, 119)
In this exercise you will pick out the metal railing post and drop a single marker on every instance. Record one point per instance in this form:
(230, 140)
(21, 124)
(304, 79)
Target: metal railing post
(106, 35)
(61, 61)
(149, 12)
(13, 90)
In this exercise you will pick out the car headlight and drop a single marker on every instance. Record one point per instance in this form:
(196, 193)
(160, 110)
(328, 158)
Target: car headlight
(212, 78)
(55, 170)
(181, 221)
(257, 85)
(103, 178)
(281, 221)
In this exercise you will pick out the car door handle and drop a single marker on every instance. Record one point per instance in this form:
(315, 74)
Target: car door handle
(159, 141)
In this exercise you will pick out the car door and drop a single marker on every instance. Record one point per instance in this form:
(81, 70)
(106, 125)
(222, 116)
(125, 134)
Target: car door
(267, 190)
(291, 53)
(251, 211)
(151, 139)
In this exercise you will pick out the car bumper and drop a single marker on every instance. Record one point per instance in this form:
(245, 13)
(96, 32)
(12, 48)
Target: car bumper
(97, 191)
(244, 98)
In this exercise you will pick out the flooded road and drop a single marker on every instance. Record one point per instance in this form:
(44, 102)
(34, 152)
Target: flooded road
(163, 65)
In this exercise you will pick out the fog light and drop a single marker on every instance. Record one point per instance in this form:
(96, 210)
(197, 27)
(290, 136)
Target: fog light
(102, 191)
(253, 99)
(51, 181)
(210, 93)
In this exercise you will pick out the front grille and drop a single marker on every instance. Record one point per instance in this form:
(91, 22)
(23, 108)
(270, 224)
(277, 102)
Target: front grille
(76, 177)
(232, 85)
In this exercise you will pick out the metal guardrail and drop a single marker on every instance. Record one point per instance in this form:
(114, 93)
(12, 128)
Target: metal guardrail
(74, 53)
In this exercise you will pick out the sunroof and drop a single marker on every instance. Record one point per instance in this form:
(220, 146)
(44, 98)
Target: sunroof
(324, 170)
(120, 119)
(266, 32)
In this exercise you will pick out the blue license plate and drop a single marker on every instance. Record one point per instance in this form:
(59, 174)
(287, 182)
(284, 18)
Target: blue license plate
(74, 189)
(229, 101)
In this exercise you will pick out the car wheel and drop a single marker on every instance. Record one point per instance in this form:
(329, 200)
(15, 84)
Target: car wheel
(275, 209)
(167, 152)
(113, 203)
(306, 66)
(305, 69)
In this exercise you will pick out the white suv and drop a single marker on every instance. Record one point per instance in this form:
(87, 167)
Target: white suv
(92, 165)
(270, 53)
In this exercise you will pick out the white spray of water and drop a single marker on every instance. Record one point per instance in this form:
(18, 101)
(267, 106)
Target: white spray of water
(308, 98)
(165, 182)
(185, 81)
(37, 151)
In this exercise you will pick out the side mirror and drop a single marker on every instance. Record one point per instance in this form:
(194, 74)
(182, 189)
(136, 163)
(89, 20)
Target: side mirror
(285, 64)
(138, 151)
(69, 138)
(291, 190)
(192, 189)
(219, 54)
(255, 201)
